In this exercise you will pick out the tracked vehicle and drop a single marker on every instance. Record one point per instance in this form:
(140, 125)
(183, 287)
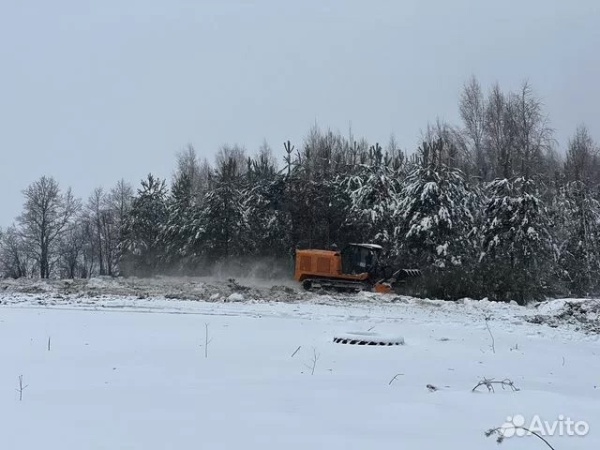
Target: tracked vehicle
(356, 267)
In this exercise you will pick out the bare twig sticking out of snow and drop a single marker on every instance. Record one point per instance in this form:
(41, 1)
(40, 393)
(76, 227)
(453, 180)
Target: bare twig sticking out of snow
(487, 325)
(206, 340)
(297, 350)
(394, 379)
(21, 388)
(313, 361)
(499, 432)
(49, 342)
(489, 383)
(370, 329)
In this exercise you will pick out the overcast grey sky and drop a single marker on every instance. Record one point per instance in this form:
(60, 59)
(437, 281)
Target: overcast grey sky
(95, 91)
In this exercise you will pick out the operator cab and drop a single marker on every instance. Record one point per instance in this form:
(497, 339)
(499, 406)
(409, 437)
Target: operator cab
(360, 258)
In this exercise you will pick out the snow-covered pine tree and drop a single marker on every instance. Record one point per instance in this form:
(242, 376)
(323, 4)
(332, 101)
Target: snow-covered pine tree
(143, 248)
(267, 225)
(222, 217)
(517, 247)
(435, 226)
(297, 192)
(325, 159)
(310, 196)
(178, 232)
(373, 191)
(577, 215)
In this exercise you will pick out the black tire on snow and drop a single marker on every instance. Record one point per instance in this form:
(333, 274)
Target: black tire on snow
(367, 338)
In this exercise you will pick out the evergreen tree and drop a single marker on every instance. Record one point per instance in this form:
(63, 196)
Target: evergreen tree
(266, 224)
(179, 232)
(143, 247)
(517, 248)
(578, 238)
(435, 225)
(223, 214)
(373, 193)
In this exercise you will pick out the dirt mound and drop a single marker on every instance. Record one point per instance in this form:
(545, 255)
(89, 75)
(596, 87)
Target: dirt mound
(583, 315)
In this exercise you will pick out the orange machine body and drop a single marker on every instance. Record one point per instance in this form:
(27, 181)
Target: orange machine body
(322, 264)
(355, 268)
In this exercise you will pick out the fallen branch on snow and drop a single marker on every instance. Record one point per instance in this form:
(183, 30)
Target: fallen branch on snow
(489, 383)
(499, 433)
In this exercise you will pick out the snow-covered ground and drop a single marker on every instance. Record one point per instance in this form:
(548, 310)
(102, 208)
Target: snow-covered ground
(112, 366)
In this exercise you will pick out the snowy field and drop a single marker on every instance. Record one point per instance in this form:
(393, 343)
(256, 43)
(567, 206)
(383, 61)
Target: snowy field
(132, 372)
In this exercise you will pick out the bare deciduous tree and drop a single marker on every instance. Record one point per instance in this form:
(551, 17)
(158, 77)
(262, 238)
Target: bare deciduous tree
(71, 249)
(472, 112)
(535, 137)
(452, 150)
(198, 172)
(14, 260)
(499, 151)
(582, 163)
(46, 215)
(101, 215)
(94, 210)
(517, 137)
(233, 157)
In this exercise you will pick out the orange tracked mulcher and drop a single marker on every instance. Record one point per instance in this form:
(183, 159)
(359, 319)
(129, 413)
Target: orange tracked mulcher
(356, 267)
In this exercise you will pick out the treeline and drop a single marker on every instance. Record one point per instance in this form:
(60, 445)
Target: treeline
(486, 208)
